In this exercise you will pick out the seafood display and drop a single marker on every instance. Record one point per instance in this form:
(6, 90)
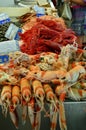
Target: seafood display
(49, 69)
(32, 82)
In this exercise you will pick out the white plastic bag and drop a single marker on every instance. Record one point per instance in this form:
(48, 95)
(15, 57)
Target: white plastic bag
(66, 12)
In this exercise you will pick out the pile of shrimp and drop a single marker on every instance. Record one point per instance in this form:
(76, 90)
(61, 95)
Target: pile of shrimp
(32, 82)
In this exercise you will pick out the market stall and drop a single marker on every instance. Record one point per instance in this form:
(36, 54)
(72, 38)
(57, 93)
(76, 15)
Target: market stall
(43, 74)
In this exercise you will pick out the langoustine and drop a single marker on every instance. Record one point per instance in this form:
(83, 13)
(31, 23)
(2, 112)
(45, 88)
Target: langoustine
(15, 96)
(5, 99)
(25, 97)
(38, 92)
(38, 104)
(15, 101)
(25, 90)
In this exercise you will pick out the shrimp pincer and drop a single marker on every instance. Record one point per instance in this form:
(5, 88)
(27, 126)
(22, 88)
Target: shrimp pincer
(25, 89)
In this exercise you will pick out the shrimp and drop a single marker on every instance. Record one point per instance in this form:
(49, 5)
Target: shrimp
(73, 75)
(15, 96)
(49, 94)
(46, 76)
(5, 99)
(6, 94)
(38, 92)
(25, 89)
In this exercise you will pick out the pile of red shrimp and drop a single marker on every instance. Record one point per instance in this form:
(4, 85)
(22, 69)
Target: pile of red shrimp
(45, 36)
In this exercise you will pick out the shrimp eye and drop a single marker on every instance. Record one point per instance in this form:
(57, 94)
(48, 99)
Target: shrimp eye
(63, 78)
(35, 73)
(5, 98)
(39, 95)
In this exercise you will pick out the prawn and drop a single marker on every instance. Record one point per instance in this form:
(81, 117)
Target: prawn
(15, 96)
(38, 92)
(5, 99)
(25, 89)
